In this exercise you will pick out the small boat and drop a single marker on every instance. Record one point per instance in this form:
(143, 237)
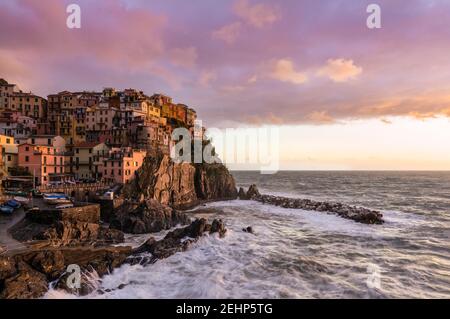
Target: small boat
(13, 204)
(56, 198)
(64, 206)
(7, 210)
(36, 193)
(16, 193)
(21, 200)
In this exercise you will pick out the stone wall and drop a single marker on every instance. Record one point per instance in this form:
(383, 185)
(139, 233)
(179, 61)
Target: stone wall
(87, 213)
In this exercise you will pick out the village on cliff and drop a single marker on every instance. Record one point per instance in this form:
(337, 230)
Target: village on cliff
(83, 137)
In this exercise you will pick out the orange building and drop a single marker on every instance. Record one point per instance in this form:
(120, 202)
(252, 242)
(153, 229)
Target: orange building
(121, 164)
(45, 163)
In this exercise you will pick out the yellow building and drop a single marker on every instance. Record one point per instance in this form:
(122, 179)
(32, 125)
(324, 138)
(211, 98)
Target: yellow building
(9, 152)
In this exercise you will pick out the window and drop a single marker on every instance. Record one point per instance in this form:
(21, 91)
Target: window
(49, 141)
(8, 141)
(27, 148)
(45, 169)
(27, 158)
(78, 151)
(9, 158)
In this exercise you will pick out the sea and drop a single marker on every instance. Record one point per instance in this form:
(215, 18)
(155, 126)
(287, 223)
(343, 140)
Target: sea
(303, 254)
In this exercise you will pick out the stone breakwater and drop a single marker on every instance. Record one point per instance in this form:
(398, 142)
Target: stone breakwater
(357, 214)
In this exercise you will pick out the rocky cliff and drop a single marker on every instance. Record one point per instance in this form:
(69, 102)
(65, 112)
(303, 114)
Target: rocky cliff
(180, 185)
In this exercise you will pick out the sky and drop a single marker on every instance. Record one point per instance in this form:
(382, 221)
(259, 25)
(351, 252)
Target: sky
(342, 95)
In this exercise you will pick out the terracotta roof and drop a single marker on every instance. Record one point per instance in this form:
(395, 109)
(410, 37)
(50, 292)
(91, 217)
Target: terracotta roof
(87, 144)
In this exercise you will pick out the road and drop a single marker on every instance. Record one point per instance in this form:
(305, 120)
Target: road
(6, 222)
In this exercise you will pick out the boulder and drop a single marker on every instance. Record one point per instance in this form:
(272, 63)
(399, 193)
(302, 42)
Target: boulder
(241, 194)
(147, 217)
(253, 192)
(177, 240)
(180, 185)
(26, 284)
(51, 263)
(7, 267)
(65, 233)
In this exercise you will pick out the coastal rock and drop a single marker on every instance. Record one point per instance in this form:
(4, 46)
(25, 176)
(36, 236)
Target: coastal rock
(180, 185)
(65, 233)
(357, 214)
(241, 194)
(7, 268)
(26, 284)
(253, 192)
(50, 263)
(249, 230)
(214, 182)
(28, 274)
(177, 240)
(147, 217)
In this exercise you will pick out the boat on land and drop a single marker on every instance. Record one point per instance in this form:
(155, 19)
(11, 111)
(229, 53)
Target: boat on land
(56, 199)
(64, 206)
(21, 200)
(7, 210)
(14, 204)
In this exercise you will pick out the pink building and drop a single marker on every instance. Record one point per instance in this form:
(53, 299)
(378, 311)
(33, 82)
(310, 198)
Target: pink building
(45, 163)
(121, 164)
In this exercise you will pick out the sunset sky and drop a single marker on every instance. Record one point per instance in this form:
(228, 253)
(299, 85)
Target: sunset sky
(344, 96)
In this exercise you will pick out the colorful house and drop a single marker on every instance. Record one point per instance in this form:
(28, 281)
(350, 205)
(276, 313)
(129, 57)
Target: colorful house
(44, 163)
(121, 164)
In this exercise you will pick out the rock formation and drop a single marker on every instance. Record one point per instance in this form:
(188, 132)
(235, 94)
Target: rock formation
(66, 233)
(177, 240)
(180, 185)
(147, 217)
(28, 274)
(357, 214)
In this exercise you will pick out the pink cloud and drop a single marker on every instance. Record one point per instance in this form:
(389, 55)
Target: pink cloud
(340, 70)
(257, 15)
(184, 57)
(284, 71)
(228, 33)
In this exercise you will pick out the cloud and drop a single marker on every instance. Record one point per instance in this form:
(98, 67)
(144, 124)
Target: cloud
(258, 15)
(285, 72)
(320, 117)
(253, 79)
(228, 33)
(184, 57)
(340, 70)
(206, 77)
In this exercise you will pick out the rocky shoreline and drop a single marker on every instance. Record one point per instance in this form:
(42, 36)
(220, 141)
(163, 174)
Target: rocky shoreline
(149, 204)
(357, 214)
(29, 274)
